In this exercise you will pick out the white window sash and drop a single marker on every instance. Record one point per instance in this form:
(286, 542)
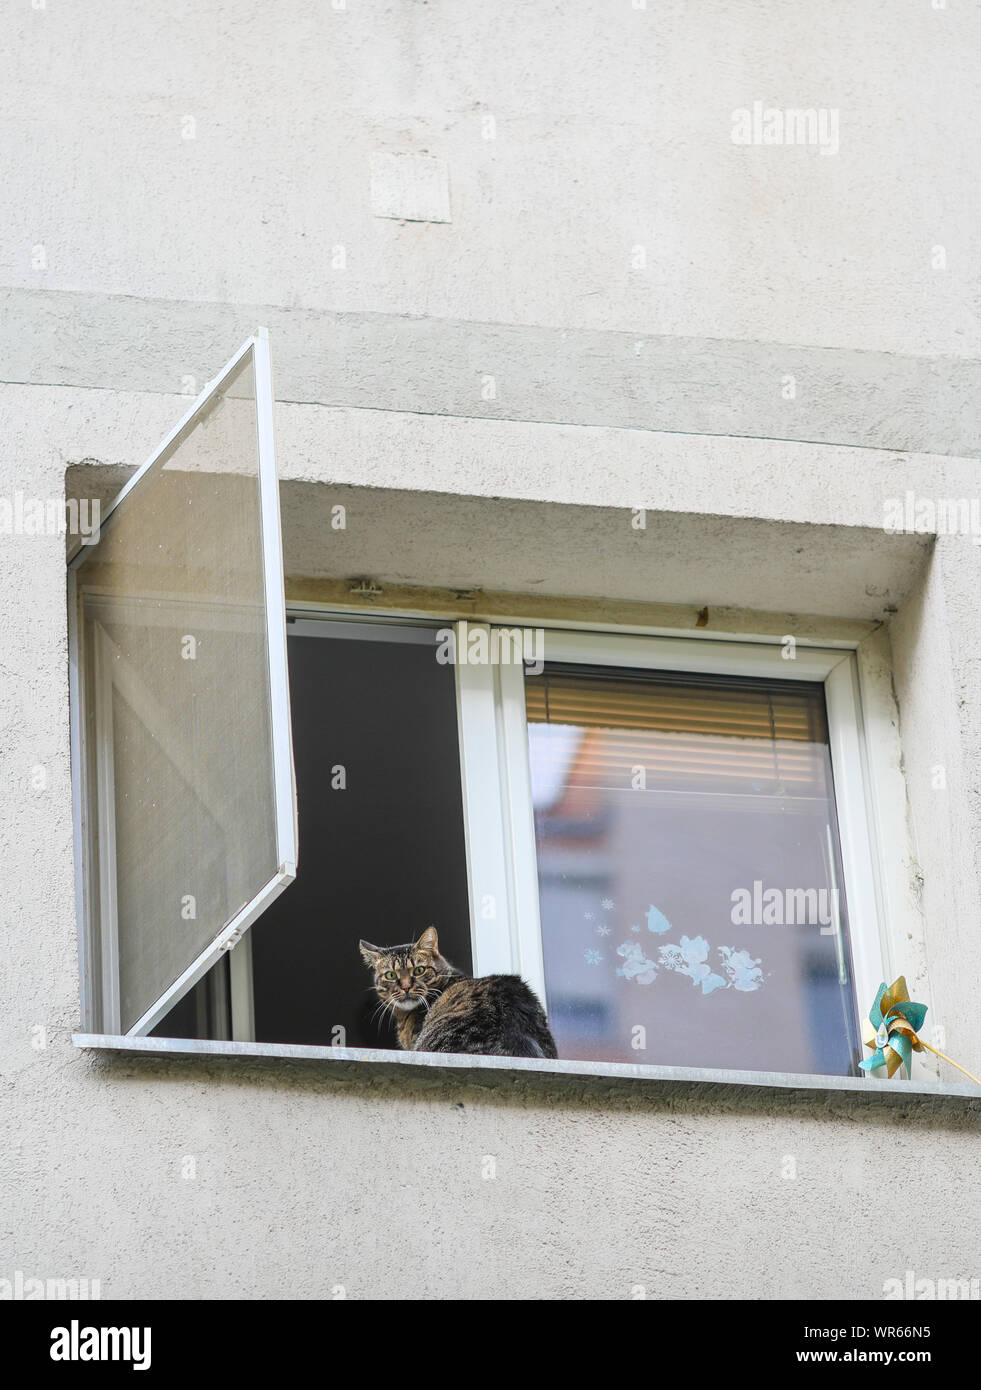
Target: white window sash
(502, 856)
(498, 819)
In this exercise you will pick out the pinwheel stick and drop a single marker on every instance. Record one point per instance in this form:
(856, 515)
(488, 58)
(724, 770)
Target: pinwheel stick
(938, 1053)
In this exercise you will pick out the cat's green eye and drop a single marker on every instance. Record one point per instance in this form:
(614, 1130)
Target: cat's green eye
(419, 970)
(389, 974)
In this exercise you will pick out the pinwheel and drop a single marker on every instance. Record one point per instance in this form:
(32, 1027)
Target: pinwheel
(892, 1028)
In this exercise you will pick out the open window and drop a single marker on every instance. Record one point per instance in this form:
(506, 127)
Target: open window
(667, 837)
(185, 815)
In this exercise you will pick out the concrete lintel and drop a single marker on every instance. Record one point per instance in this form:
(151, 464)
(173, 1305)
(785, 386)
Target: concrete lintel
(502, 371)
(456, 541)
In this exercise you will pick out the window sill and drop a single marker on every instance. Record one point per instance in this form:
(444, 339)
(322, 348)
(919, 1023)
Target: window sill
(467, 1069)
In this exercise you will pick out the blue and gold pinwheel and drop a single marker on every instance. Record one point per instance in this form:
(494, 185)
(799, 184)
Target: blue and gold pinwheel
(891, 1031)
(893, 1023)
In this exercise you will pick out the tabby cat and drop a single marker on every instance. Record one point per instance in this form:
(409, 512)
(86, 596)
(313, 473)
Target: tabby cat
(439, 1009)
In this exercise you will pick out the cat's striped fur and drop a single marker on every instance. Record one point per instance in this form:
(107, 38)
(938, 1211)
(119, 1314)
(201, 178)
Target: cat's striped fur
(438, 1009)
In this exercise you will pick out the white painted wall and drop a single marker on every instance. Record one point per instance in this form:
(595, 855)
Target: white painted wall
(132, 257)
(612, 130)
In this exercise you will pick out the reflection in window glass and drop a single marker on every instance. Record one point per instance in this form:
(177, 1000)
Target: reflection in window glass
(689, 872)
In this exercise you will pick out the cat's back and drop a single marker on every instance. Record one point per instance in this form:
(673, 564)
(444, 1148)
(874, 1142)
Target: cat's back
(494, 1015)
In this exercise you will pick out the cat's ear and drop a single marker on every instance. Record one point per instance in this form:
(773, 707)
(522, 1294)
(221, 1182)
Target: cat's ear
(429, 941)
(370, 953)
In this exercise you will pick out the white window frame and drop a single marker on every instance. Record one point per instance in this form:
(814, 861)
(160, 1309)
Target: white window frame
(864, 750)
(88, 800)
(500, 833)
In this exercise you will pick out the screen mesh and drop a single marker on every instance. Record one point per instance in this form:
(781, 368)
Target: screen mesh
(175, 675)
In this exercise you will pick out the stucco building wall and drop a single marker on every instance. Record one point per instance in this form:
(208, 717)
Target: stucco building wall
(513, 381)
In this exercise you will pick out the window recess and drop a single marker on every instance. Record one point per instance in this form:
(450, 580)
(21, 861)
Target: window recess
(587, 819)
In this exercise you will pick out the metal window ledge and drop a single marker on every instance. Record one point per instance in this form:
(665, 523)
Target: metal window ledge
(553, 1077)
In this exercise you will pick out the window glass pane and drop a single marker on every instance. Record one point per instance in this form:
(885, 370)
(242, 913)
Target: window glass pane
(689, 873)
(175, 670)
(381, 806)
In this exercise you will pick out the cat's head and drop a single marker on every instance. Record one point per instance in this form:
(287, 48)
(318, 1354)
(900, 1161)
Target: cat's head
(405, 976)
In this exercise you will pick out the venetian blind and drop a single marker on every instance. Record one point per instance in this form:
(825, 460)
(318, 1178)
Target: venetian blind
(742, 734)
